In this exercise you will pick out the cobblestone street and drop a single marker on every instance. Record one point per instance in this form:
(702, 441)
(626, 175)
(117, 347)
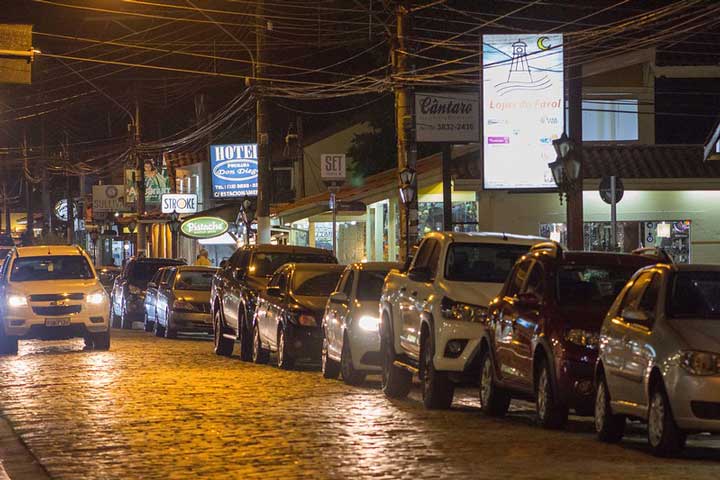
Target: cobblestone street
(154, 408)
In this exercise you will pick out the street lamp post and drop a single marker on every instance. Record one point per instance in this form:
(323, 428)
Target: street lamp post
(566, 172)
(407, 195)
(174, 224)
(248, 214)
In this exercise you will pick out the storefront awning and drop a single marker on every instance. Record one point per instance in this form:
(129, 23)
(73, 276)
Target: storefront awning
(227, 212)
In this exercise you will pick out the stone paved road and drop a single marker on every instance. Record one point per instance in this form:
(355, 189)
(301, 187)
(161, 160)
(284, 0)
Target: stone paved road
(154, 408)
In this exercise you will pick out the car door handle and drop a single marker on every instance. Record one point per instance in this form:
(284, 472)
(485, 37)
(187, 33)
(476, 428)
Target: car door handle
(413, 294)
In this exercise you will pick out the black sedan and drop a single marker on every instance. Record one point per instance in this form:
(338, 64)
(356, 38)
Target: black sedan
(288, 317)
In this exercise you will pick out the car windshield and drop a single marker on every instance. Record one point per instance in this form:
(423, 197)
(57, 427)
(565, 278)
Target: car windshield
(264, 264)
(6, 241)
(61, 267)
(194, 280)
(481, 262)
(314, 283)
(591, 284)
(695, 295)
(370, 284)
(140, 273)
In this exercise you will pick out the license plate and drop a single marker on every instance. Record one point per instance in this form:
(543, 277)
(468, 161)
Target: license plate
(57, 322)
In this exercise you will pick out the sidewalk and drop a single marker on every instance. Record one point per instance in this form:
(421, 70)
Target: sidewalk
(16, 461)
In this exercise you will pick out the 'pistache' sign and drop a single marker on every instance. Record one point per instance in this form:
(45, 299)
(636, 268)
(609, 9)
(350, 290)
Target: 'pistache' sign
(204, 227)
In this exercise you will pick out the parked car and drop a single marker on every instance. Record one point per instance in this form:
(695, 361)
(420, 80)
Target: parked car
(351, 338)
(183, 301)
(235, 289)
(107, 276)
(128, 293)
(431, 314)
(160, 279)
(6, 244)
(288, 316)
(659, 356)
(542, 330)
(51, 293)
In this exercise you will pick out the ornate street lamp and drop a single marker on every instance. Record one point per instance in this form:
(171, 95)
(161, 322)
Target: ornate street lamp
(174, 224)
(248, 215)
(407, 195)
(566, 167)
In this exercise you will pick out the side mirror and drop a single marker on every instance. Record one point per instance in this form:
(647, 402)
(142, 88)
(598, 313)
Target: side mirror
(339, 297)
(152, 285)
(528, 300)
(420, 274)
(635, 315)
(273, 292)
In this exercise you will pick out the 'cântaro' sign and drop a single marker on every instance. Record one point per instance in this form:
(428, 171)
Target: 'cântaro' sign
(444, 117)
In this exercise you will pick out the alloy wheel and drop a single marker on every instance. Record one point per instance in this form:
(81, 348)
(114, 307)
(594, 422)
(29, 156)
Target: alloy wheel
(486, 383)
(542, 394)
(656, 419)
(281, 349)
(256, 345)
(600, 411)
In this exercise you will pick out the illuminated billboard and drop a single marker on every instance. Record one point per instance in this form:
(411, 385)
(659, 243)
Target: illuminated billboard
(234, 170)
(523, 109)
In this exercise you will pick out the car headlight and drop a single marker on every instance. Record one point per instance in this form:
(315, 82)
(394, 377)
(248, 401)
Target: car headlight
(463, 312)
(583, 338)
(95, 298)
(700, 363)
(369, 324)
(134, 290)
(183, 305)
(15, 301)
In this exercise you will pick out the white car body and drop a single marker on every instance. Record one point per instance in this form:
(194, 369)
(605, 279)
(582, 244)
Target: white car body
(56, 308)
(414, 307)
(356, 320)
(642, 347)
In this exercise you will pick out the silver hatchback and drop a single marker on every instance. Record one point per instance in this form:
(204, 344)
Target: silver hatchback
(660, 356)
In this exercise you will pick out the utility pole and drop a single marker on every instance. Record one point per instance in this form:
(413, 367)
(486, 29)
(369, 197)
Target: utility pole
(262, 122)
(404, 123)
(575, 229)
(46, 207)
(300, 158)
(30, 225)
(140, 167)
(447, 187)
(68, 195)
(6, 207)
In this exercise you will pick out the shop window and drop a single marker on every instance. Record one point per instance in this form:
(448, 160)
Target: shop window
(431, 217)
(610, 120)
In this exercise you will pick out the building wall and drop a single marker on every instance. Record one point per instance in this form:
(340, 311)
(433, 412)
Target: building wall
(523, 213)
(336, 143)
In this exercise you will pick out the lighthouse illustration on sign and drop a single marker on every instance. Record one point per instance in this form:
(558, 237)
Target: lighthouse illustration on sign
(520, 76)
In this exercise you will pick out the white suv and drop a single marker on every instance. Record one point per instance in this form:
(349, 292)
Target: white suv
(50, 293)
(431, 316)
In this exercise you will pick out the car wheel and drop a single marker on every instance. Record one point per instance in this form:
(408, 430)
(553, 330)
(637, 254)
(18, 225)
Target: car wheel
(170, 333)
(330, 368)
(285, 359)
(114, 320)
(349, 374)
(246, 338)
(396, 381)
(100, 341)
(148, 327)
(610, 428)
(8, 345)
(125, 322)
(551, 414)
(437, 389)
(663, 434)
(259, 354)
(494, 401)
(223, 346)
(158, 329)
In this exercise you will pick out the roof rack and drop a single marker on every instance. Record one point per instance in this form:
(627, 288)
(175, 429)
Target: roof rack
(552, 247)
(657, 252)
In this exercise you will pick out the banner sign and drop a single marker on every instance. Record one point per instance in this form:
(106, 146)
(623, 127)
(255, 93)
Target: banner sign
(523, 109)
(332, 167)
(157, 182)
(452, 117)
(179, 203)
(234, 170)
(204, 227)
(108, 198)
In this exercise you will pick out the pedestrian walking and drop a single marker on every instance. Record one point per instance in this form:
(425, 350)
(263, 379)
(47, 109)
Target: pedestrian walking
(202, 259)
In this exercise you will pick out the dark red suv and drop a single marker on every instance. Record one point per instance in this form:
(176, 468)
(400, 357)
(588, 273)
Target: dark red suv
(542, 330)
